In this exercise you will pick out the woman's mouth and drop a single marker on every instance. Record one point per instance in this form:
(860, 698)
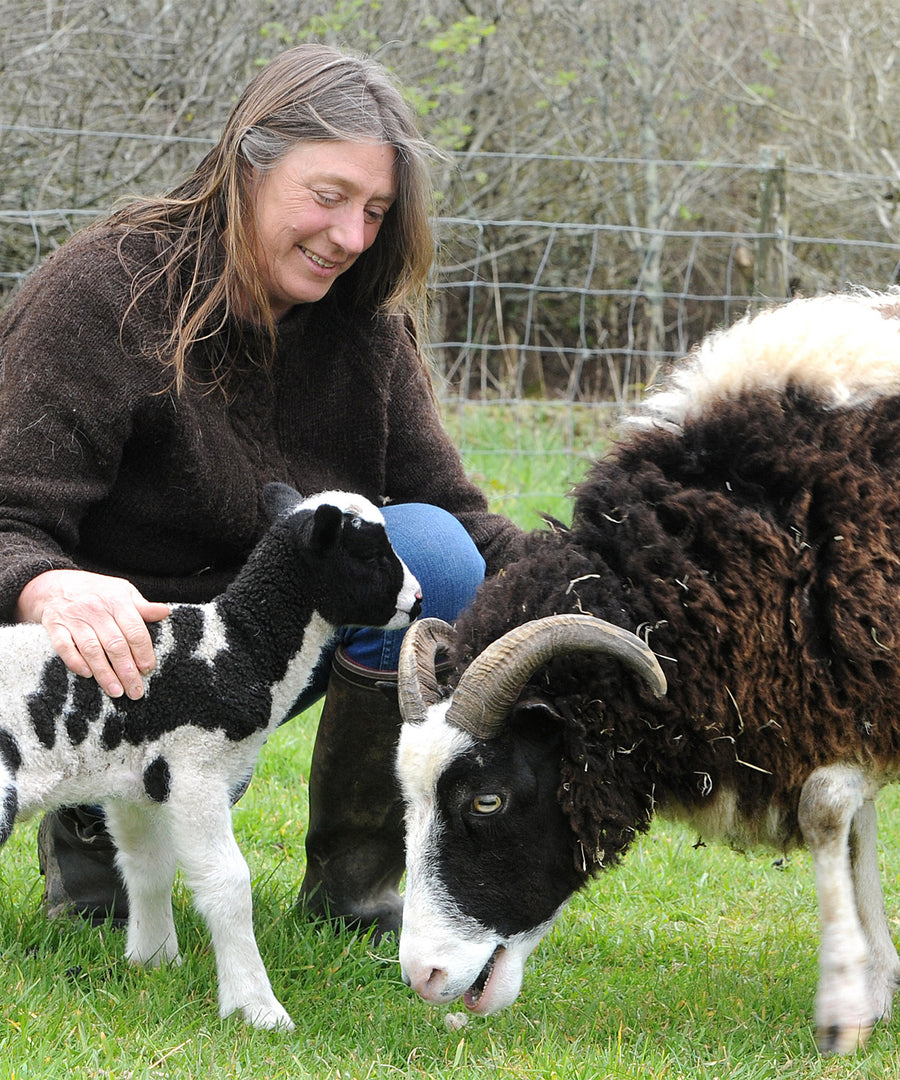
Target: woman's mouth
(317, 259)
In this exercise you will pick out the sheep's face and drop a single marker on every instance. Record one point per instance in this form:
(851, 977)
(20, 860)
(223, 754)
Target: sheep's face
(489, 792)
(489, 857)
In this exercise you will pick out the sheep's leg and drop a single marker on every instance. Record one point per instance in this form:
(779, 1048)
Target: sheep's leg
(219, 879)
(884, 969)
(845, 1011)
(147, 862)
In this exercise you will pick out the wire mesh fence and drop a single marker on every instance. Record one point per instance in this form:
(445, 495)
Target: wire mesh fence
(535, 332)
(543, 332)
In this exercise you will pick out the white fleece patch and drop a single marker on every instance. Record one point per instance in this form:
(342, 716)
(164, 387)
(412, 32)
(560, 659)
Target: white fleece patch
(844, 349)
(349, 503)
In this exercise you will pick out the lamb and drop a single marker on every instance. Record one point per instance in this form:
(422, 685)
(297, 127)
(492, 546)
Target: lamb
(165, 767)
(714, 638)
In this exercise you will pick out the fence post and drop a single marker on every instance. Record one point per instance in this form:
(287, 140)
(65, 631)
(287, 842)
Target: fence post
(770, 278)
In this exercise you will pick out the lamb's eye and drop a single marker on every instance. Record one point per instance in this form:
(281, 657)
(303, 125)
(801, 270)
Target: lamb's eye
(486, 804)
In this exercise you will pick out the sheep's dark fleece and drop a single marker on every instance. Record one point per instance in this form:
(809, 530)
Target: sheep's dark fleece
(747, 528)
(760, 545)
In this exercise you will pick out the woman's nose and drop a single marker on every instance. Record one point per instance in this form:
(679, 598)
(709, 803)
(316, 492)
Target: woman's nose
(348, 230)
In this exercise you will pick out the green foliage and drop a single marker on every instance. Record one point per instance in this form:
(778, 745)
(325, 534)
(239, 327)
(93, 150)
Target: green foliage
(457, 39)
(337, 19)
(432, 93)
(435, 92)
(762, 90)
(527, 456)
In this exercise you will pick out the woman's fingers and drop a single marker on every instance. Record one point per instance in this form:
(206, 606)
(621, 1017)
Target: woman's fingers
(88, 654)
(98, 625)
(111, 646)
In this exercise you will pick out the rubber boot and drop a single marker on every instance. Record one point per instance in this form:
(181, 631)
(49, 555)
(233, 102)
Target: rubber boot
(355, 852)
(77, 858)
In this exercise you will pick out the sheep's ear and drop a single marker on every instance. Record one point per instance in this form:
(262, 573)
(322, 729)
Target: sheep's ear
(278, 498)
(535, 719)
(326, 528)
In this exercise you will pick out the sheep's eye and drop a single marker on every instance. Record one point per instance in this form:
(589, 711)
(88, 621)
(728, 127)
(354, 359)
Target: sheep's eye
(486, 804)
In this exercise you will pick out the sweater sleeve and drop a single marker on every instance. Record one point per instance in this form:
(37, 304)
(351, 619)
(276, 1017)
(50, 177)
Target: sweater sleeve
(424, 465)
(65, 398)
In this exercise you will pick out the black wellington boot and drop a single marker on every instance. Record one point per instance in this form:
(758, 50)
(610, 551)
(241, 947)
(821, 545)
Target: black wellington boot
(355, 851)
(77, 858)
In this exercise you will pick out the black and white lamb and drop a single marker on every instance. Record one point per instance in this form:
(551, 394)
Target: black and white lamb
(747, 531)
(165, 767)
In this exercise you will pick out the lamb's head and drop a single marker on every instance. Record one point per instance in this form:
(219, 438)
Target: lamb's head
(341, 545)
(489, 844)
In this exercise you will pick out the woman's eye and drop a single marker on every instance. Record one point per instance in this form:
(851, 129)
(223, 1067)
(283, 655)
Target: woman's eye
(486, 804)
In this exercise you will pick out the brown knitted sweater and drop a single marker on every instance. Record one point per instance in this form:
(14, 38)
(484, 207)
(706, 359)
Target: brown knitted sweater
(103, 467)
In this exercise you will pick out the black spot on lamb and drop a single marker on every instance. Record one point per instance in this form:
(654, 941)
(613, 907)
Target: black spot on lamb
(741, 543)
(165, 766)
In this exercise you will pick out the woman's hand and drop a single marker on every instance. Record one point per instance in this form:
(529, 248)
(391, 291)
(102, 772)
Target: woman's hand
(97, 624)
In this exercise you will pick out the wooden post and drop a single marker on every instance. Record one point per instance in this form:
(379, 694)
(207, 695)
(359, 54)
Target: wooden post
(770, 279)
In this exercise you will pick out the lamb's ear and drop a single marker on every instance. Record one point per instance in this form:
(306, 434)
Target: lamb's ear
(326, 528)
(278, 499)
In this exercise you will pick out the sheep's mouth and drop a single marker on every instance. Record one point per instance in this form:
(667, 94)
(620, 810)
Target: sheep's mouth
(473, 995)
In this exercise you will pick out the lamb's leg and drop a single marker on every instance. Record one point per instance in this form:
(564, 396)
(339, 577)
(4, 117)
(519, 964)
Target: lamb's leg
(845, 1012)
(146, 860)
(219, 879)
(884, 964)
(9, 802)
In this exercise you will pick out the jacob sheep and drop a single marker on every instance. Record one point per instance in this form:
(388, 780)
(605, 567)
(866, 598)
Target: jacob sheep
(740, 543)
(166, 766)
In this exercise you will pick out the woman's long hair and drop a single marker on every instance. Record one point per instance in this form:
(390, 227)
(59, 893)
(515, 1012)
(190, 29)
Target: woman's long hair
(205, 224)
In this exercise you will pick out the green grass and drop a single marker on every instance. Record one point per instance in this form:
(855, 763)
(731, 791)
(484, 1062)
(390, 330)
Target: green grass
(525, 457)
(682, 964)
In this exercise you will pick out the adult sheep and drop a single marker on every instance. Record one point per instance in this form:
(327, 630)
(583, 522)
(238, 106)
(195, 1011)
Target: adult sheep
(166, 766)
(742, 544)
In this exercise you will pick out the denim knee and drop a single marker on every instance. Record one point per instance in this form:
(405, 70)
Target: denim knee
(442, 555)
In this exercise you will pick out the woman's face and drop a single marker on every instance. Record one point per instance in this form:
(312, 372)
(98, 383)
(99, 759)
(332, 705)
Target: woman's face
(315, 213)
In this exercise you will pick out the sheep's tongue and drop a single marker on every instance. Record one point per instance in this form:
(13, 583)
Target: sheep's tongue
(473, 995)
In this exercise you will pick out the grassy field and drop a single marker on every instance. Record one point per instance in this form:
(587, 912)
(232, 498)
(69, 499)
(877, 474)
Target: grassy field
(686, 963)
(525, 457)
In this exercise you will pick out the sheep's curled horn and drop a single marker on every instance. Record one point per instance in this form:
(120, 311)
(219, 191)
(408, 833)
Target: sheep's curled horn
(492, 683)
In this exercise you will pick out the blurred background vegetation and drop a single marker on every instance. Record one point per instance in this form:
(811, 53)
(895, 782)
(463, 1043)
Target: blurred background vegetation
(619, 176)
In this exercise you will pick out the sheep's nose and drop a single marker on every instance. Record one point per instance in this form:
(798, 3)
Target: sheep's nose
(416, 609)
(430, 983)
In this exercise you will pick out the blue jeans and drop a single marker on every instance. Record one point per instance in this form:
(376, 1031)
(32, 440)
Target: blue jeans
(449, 567)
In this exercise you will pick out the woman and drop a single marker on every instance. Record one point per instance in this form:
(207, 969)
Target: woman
(257, 323)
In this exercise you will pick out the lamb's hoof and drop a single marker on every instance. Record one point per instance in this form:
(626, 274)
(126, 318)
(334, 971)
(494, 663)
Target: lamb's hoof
(269, 1016)
(154, 958)
(271, 1019)
(882, 989)
(846, 1039)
